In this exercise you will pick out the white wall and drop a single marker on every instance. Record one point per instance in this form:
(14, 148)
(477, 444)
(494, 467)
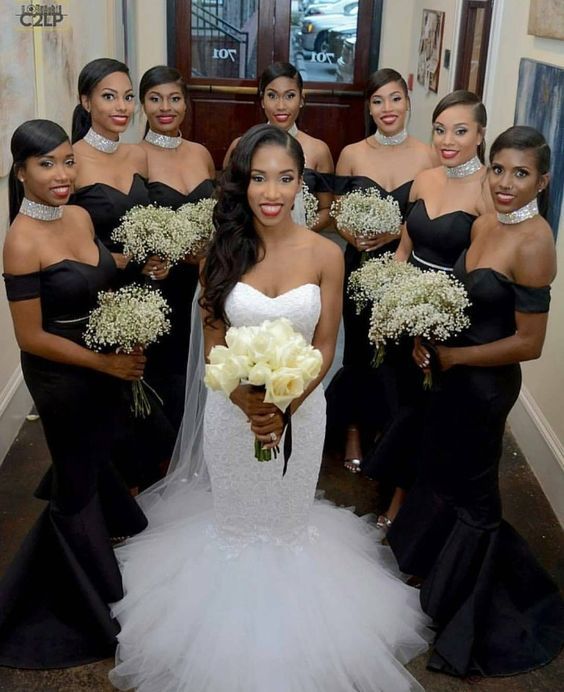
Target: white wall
(395, 41)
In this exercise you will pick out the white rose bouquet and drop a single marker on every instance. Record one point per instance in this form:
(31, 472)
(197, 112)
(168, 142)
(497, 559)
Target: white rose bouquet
(134, 316)
(271, 355)
(365, 213)
(430, 305)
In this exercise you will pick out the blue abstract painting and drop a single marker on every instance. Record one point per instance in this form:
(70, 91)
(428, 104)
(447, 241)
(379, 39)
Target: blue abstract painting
(540, 95)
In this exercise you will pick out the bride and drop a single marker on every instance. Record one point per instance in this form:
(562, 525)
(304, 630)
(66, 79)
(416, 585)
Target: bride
(256, 587)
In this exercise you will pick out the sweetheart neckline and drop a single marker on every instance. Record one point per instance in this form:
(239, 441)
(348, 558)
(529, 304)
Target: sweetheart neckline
(183, 194)
(111, 187)
(280, 295)
(448, 213)
(75, 261)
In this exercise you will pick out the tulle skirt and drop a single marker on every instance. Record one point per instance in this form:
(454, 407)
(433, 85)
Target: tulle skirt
(204, 612)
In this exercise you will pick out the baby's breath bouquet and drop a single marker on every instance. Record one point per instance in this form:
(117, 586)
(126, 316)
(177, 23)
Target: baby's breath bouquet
(194, 223)
(311, 206)
(365, 213)
(430, 305)
(272, 356)
(146, 231)
(134, 316)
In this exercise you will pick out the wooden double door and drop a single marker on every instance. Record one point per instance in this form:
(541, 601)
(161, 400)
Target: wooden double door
(222, 46)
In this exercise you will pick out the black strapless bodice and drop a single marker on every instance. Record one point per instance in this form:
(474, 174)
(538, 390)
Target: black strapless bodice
(106, 205)
(495, 298)
(438, 241)
(166, 196)
(68, 291)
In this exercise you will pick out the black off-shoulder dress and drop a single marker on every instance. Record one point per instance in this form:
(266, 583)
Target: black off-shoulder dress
(496, 611)
(54, 596)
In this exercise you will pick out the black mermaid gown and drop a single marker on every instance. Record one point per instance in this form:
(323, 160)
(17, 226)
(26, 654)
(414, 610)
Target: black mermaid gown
(358, 392)
(496, 611)
(142, 445)
(53, 598)
(437, 244)
(166, 368)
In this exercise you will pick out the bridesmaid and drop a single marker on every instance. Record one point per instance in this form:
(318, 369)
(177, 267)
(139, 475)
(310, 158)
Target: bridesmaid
(179, 172)
(388, 160)
(111, 180)
(446, 201)
(54, 596)
(281, 93)
(495, 609)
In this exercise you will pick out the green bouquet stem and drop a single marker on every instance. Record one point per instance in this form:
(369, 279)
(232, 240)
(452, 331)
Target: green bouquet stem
(140, 404)
(264, 453)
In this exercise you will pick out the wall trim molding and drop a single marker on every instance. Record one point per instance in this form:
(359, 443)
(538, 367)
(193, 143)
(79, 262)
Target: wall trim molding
(15, 404)
(542, 448)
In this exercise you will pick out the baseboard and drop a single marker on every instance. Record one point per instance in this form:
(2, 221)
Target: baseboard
(15, 404)
(542, 449)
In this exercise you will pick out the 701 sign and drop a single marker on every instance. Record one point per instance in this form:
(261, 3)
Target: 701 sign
(322, 57)
(224, 54)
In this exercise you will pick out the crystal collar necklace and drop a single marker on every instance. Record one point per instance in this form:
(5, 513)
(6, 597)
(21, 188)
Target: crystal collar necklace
(526, 212)
(392, 140)
(163, 141)
(464, 169)
(101, 143)
(41, 212)
(293, 130)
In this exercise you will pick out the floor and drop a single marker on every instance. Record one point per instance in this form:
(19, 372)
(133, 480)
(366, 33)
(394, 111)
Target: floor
(525, 507)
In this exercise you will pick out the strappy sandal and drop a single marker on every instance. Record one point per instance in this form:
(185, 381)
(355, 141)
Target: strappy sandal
(353, 465)
(383, 523)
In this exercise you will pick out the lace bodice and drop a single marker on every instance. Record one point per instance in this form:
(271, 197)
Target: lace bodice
(252, 501)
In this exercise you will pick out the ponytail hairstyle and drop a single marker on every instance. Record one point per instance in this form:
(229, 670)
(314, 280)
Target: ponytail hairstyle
(376, 81)
(523, 138)
(236, 246)
(161, 74)
(32, 138)
(462, 97)
(90, 75)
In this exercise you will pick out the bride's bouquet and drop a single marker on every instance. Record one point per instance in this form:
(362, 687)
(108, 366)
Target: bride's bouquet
(408, 302)
(153, 230)
(133, 317)
(272, 356)
(365, 213)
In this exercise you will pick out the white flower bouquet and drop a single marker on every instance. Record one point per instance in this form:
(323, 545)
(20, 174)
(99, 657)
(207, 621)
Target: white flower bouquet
(311, 206)
(273, 356)
(153, 230)
(365, 213)
(194, 223)
(430, 305)
(133, 317)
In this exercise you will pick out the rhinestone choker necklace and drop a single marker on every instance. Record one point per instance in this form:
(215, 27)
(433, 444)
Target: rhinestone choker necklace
(101, 143)
(293, 130)
(527, 212)
(163, 141)
(392, 140)
(41, 212)
(464, 169)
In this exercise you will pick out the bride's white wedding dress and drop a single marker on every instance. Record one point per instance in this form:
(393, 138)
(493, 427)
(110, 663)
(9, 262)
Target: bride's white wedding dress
(263, 589)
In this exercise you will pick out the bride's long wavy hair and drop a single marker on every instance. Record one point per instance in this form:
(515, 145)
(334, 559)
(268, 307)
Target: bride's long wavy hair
(236, 246)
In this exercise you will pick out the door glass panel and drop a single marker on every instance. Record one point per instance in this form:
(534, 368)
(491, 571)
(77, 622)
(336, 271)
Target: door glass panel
(323, 38)
(224, 38)
(476, 50)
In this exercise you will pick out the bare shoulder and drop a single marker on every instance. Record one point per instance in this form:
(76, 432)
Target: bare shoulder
(325, 249)
(482, 225)
(79, 216)
(137, 154)
(423, 152)
(427, 179)
(536, 255)
(317, 153)
(197, 151)
(349, 156)
(20, 253)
